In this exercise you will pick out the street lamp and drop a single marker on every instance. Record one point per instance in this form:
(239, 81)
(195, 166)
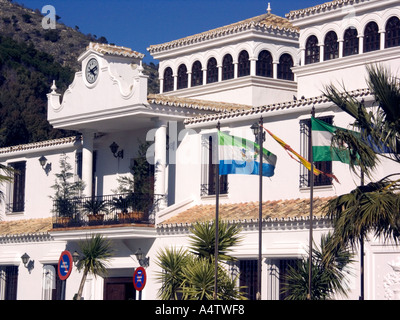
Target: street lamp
(143, 261)
(25, 259)
(114, 149)
(75, 257)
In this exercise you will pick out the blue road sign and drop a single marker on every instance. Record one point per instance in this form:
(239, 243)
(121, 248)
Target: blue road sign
(139, 278)
(65, 265)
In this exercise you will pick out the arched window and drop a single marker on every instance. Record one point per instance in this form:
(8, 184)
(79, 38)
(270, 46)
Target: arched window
(264, 64)
(182, 77)
(227, 68)
(168, 80)
(244, 64)
(392, 33)
(212, 71)
(331, 46)
(312, 50)
(372, 37)
(285, 67)
(350, 42)
(197, 74)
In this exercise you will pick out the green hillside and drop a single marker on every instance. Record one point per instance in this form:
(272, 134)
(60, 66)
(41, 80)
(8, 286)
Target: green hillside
(30, 59)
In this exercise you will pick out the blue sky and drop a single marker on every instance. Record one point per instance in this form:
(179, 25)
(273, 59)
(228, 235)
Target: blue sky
(137, 24)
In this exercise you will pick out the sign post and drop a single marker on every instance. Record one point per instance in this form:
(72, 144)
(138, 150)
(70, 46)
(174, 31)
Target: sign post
(64, 269)
(139, 280)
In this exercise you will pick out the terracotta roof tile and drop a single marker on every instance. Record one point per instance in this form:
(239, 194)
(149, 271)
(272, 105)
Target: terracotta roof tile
(25, 227)
(272, 210)
(195, 103)
(300, 103)
(115, 50)
(40, 144)
(320, 8)
(267, 20)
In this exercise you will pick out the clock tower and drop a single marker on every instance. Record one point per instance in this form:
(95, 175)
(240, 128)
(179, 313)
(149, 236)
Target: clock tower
(110, 86)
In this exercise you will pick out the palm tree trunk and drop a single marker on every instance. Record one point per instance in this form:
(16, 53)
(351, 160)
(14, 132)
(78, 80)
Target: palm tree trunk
(84, 276)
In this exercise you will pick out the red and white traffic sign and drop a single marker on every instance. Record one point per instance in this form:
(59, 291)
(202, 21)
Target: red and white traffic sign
(65, 265)
(139, 278)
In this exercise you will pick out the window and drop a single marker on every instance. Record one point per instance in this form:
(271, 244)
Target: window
(212, 71)
(264, 64)
(372, 37)
(248, 278)
(312, 50)
(227, 68)
(16, 192)
(168, 80)
(392, 33)
(52, 284)
(8, 282)
(284, 266)
(351, 42)
(182, 77)
(209, 170)
(285, 67)
(244, 64)
(325, 166)
(331, 46)
(197, 74)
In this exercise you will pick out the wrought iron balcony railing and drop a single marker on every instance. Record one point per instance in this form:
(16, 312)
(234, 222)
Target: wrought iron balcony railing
(105, 210)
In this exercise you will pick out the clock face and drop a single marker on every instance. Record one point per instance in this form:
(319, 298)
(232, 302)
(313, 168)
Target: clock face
(92, 70)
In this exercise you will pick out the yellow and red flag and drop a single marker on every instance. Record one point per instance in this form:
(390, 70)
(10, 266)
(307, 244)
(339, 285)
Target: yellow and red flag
(299, 159)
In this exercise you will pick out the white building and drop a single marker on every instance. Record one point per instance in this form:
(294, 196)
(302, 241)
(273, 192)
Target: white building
(266, 66)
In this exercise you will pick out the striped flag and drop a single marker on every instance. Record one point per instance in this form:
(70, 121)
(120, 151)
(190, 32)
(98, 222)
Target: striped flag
(241, 156)
(299, 159)
(322, 134)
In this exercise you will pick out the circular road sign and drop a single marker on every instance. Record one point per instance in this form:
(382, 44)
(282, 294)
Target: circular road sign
(139, 278)
(65, 265)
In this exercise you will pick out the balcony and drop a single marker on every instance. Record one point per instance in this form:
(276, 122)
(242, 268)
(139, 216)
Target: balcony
(117, 209)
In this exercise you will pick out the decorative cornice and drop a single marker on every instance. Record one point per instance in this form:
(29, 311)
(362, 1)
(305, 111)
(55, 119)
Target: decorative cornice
(40, 145)
(294, 104)
(332, 5)
(266, 21)
(114, 50)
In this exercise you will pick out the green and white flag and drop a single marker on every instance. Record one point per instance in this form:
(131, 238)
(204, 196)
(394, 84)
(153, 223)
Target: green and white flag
(322, 134)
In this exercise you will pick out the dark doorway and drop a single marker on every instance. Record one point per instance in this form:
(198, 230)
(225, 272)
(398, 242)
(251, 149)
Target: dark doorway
(119, 289)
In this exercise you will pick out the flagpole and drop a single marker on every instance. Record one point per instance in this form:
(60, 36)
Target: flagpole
(260, 142)
(309, 297)
(216, 218)
(362, 252)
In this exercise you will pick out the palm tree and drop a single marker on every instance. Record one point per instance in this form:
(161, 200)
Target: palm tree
(329, 270)
(191, 274)
(171, 261)
(96, 253)
(374, 207)
(203, 239)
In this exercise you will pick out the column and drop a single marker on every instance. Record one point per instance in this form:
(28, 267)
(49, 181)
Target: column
(275, 69)
(236, 69)
(361, 44)
(87, 162)
(303, 57)
(321, 52)
(219, 72)
(341, 45)
(382, 38)
(253, 66)
(160, 161)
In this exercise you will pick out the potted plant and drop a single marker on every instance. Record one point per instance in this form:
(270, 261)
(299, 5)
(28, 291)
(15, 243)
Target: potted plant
(94, 209)
(66, 192)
